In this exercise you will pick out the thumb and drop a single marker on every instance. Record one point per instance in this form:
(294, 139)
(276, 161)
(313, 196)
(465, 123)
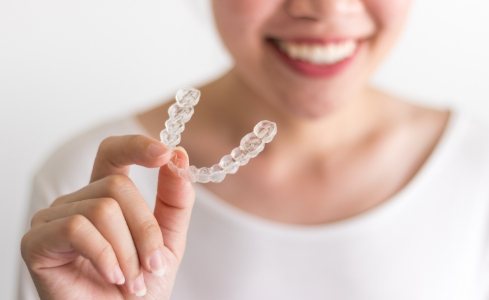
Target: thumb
(174, 201)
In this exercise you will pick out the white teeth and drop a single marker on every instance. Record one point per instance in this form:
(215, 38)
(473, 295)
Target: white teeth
(319, 53)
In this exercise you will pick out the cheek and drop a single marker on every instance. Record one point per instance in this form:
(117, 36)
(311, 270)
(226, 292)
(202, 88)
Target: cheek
(241, 25)
(390, 15)
(239, 15)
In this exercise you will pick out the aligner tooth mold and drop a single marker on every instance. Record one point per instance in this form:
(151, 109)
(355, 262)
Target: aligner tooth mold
(250, 146)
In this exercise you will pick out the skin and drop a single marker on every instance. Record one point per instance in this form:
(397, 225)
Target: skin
(75, 247)
(343, 148)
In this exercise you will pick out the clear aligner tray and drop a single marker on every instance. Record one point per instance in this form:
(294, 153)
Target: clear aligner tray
(250, 146)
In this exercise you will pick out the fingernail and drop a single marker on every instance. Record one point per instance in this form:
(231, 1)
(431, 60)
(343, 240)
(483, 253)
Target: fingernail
(139, 287)
(118, 277)
(156, 263)
(179, 156)
(156, 150)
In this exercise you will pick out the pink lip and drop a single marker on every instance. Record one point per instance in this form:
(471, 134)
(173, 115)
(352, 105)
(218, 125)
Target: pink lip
(313, 70)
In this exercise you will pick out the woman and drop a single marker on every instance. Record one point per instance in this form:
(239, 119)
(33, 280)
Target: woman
(362, 195)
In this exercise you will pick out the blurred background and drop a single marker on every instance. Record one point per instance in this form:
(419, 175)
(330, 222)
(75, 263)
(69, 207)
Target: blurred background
(68, 65)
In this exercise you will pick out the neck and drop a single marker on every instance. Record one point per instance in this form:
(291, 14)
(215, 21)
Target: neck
(231, 103)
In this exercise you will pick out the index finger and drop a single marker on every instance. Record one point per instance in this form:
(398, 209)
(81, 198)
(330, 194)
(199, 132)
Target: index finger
(115, 154)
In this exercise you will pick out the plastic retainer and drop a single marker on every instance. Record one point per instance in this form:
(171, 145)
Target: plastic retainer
(250, 146)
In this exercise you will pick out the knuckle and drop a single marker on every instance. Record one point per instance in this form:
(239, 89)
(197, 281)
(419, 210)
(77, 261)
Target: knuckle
(150, 230)
(105, 143)
(59, 200)
(118, 183)
(25, 247)
(103, 208)
(38, 217)
(28, 249)
(108, 205)
(105, 256)
(74, 224)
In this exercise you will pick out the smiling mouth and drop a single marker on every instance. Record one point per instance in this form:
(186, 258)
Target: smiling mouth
(317, 53)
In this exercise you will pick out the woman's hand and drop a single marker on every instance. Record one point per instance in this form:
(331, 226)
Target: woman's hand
(103, 241)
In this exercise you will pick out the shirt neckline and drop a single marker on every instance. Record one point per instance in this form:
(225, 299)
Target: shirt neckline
(357, 223)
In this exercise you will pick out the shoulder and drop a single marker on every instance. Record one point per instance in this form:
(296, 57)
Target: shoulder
(449, 129)
(69, 166)
(470, 137)
(463, 157)
(452, 139)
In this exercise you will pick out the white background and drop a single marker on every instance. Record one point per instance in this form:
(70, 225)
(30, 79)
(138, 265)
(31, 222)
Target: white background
(66, 65)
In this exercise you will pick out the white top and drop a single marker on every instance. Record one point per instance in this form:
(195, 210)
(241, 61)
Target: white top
(428, 242)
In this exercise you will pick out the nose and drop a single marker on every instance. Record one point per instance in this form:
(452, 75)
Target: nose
(320, 9)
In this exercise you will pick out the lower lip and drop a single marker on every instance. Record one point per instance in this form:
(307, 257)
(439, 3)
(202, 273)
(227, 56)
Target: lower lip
(314, 70)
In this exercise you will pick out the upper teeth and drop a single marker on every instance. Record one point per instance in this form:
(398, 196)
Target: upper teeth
(319, 53)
